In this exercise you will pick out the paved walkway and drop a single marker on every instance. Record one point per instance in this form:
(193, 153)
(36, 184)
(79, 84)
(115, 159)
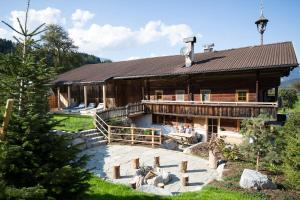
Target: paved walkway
(104, 157)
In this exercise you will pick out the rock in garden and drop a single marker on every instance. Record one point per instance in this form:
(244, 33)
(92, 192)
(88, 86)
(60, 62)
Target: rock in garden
(170, 144)
(164, 178)
(254, 179)
(139, 180)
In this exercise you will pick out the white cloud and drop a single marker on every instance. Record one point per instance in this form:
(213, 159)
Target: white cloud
(37, 17)
(5, 34)
(107, 38)
(80, 17)
(155, 30)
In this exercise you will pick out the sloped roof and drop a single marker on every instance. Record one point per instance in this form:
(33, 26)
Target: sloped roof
(269, 56)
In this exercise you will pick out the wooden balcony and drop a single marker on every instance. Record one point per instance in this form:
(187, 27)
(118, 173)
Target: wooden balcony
(236, 110)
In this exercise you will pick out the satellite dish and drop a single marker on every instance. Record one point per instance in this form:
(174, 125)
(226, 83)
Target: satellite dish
(184, 51)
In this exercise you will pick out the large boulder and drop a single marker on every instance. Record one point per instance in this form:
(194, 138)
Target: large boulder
(170, 144)
(254, 179)
(163, 177)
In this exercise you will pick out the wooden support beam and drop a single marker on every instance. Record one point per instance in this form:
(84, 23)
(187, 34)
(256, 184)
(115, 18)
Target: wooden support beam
(109, 134)
(69, 95)
(58, 98)
(85, 95)
(6, 117)
(132, 134)
(135, 163)
(116, 172)
(183, 166)
(257, 87)
(188, 89)
(276, 93)
(104, 95)
(152, 132)
(185, 180)
(148, 89)
(156, 161)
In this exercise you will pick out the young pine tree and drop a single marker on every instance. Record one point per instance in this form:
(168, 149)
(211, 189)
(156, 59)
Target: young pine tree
(262, 143)
(291, 156)
(34, 163)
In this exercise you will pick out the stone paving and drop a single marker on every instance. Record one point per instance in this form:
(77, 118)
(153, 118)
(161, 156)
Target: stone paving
(102, 159)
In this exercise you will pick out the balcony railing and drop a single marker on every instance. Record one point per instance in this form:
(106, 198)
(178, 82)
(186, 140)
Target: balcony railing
(214, 109)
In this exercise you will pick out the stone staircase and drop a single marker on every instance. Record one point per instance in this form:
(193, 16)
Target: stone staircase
(93, 139)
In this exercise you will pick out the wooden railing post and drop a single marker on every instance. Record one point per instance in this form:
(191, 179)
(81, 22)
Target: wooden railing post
(160, 137)
(152, 137)
(132, 135)
(109, 133)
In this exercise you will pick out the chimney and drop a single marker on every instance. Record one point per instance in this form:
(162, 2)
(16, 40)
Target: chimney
(208, 47)
(189, 54)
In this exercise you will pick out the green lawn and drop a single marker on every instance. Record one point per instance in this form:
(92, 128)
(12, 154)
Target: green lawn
(73, 123)
(104, 190)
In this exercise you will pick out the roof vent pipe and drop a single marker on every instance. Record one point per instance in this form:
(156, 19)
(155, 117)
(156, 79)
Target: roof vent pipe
(208, 47)
(188, 51)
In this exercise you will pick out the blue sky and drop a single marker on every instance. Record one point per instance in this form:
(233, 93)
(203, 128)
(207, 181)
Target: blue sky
(126, 29)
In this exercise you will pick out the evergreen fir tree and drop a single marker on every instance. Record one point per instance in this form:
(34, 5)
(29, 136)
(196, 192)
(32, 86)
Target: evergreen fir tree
(35, 163)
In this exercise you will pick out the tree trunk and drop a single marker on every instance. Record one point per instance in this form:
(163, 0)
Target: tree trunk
(116, 172)
(212, 160)
(257, 161)
(156, 161)
(136, 163)
(185, 180)
(183, 166)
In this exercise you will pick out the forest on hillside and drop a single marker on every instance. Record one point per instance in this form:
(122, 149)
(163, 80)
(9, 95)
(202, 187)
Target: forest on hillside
(58, 49)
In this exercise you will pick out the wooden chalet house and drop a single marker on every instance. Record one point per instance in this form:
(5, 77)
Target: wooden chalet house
(210, 91)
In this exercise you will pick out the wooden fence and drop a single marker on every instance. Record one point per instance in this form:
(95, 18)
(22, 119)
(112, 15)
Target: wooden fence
(123, 111)
(134, 135)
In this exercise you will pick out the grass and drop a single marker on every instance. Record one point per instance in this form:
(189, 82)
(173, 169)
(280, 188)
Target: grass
(72, 123)
(101, 189)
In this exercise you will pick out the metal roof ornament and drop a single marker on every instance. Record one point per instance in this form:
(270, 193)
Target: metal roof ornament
(261, 23)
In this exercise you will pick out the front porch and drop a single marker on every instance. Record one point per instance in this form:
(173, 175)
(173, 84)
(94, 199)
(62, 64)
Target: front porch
(68, 96)
(233, 110)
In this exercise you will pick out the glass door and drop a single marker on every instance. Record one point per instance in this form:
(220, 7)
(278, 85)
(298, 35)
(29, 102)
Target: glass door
(212, 127)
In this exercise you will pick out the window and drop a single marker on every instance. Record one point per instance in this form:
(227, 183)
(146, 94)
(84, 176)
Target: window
(205, 95)
(158, 95)
(179, 95)
(242, 95)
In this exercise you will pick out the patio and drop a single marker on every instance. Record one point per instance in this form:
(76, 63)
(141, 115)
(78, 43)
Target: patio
(103, 158)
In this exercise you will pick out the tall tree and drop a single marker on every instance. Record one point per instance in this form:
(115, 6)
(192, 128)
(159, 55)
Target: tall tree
(288, 97)
(34, 163)
(6, 46)
(57, 42)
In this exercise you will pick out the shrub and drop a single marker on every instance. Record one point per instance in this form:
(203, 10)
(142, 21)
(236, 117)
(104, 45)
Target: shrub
(291, 157)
